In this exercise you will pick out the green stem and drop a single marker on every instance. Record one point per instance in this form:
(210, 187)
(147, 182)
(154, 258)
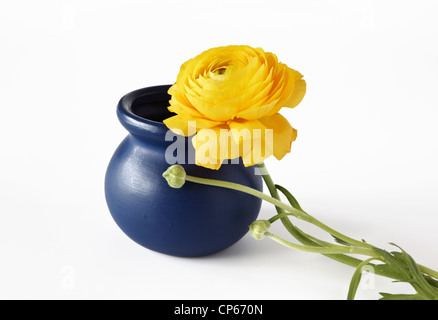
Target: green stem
(313, 240)
(294, 231)
(326, 250)
(238, 187)
(297, 213)
(428, 271)
(342, 258)
(353, 262)
(332, 252)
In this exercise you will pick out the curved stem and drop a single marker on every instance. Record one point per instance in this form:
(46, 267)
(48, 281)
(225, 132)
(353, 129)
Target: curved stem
(245, 189)
(334, 252)
(297, 213)
(342, 258)
(353, 262)
(325, 250)
(428, 271)
(306, 235)
(294, 231)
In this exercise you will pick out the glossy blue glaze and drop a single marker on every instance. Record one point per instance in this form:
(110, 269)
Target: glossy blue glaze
(194, 220)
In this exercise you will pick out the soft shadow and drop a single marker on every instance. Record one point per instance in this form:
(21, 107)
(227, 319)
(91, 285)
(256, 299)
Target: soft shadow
(246, 249)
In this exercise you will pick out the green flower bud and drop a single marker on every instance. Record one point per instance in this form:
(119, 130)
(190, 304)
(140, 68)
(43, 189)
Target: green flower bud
(259, 228)
(175, 176)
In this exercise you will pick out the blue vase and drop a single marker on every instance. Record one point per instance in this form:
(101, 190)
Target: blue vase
(194, 220)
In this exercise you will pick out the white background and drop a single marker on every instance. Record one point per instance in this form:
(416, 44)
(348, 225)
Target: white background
(365, 161)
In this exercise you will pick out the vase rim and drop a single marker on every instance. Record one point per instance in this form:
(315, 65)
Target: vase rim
(151, 97)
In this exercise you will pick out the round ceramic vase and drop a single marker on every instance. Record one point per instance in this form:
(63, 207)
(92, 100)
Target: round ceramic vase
(194, 220)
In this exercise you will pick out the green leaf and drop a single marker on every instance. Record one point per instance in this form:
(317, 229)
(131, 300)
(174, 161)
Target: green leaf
(293, 202)
(355, 280)
(418, 281)
(340, 241)
(394, 264)
(431, 281)
(354, 284)
(388, 296)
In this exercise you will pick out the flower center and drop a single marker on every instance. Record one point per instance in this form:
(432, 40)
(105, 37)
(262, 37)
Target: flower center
(220, 71)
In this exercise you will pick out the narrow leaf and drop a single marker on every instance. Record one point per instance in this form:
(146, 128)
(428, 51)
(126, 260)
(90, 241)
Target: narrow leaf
(418, 282)
(293, 202)
(355, 280)
(340, 241)
(395, 264)
(388, 296)
(431, 281)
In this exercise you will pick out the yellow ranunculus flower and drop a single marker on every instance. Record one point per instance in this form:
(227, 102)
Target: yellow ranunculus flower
(234, 94)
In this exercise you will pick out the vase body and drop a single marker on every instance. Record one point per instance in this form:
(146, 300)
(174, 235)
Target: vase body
(194, 220)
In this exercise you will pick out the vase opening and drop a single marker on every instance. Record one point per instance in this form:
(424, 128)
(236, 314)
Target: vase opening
(152, 108)
(143, 111)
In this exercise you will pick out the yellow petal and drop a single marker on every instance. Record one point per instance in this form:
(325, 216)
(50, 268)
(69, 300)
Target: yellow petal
(293, 91)
(202, 104)
(258, 112)
(186, 127)
(213, 146)
(178, 125)
(287, 86)
(183, 111)
(297, 94)
(269, 101)
(255, 142)
(180, 105)
(243, 130)
(230, 109)
(283, 132)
